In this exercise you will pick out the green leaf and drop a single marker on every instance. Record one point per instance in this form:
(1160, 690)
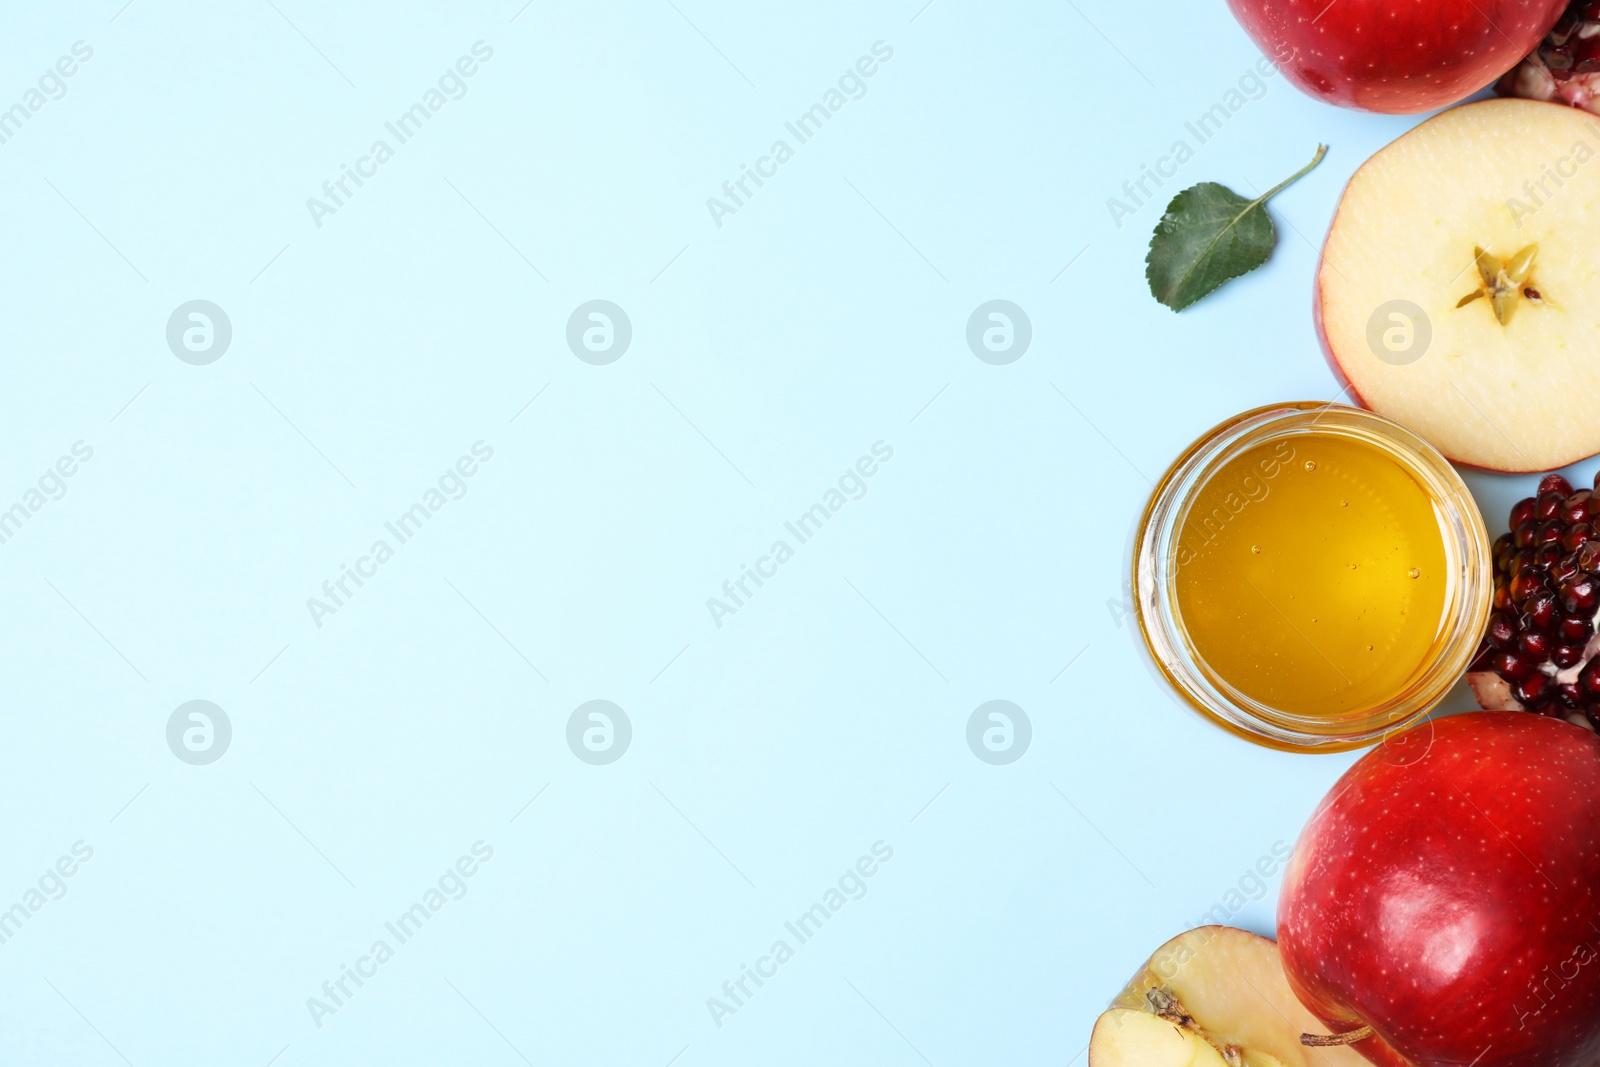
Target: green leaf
(1210, 235)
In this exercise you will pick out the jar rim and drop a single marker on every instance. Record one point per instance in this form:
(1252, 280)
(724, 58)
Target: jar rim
(1468, 587)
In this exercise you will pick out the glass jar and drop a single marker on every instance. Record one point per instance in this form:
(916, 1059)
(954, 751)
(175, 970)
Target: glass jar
(1160, 555)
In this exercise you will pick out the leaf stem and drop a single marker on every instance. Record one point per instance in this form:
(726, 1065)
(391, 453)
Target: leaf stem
(1322, 150)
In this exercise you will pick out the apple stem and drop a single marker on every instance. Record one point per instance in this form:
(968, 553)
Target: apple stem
(1322, 150)
(1328, 1040)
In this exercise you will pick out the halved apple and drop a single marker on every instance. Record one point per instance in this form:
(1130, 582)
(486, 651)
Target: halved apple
(1213, 997)
(1459, 288)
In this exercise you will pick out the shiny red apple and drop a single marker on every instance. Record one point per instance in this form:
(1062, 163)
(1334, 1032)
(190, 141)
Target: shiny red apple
(1396, 56)
(1446, 893)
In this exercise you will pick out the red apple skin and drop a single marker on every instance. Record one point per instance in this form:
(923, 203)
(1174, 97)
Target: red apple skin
(1446, 892)
(1395, 57)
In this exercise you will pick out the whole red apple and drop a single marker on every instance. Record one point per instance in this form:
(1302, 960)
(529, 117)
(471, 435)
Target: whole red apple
(1396, 57)
(1446, 893)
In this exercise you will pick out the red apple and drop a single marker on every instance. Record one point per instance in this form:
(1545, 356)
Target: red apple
(1446, 894)
(1400, 58)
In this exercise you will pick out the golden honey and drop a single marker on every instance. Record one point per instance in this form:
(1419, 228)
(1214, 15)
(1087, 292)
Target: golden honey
(1311, 574)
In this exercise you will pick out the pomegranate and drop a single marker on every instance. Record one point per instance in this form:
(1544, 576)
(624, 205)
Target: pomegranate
(1565, 68)
(1540, 651)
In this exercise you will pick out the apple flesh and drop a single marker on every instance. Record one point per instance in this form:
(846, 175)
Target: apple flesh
(1129, 1037)
(1446, 894)
(1400, 58)
(1457, 292)
(1212, 997)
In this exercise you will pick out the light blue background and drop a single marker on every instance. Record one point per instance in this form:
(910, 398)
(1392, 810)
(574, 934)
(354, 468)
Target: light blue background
(768, 354)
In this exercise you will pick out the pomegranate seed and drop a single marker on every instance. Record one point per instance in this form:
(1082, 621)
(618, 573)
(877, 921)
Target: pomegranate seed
(1535, 646)
(1547, 505)
(1502, 631)
(1592, 713)
(1579, 507)
(1577, 535)
(1512, 667)
(1574, 630)
(1534, 689)
(1554, 483)
(1527, 584)
(1557, 57)
(1550, 709)
(1565, 656)
(1586, 58)
(1502, 598)
(1547, 555)
(1581, 596)
(1589, 678)
(1571, 695)
(1523, 510)
(1525, 533)
(1565, 570)
(1540, 611)
(1550, 533)
(1589, 557)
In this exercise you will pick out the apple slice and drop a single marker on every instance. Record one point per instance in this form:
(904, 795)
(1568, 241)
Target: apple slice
(1457, 292)
(1213, 997)
(1128, 1037)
